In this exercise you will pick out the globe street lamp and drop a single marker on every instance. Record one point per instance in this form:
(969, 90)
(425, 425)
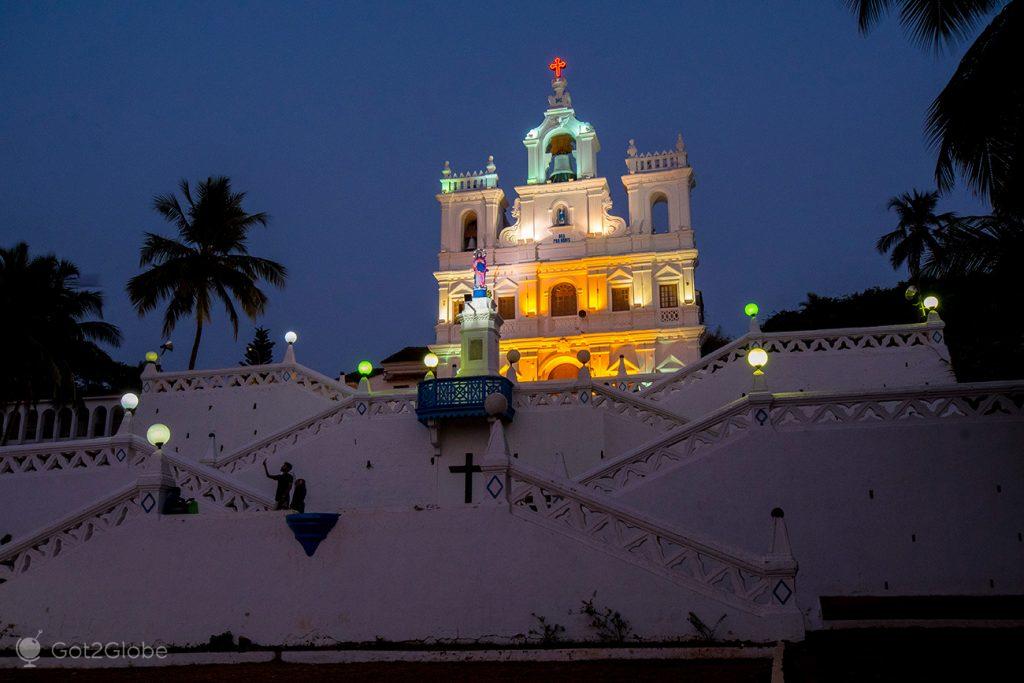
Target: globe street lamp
(158, 434)
(430, 360)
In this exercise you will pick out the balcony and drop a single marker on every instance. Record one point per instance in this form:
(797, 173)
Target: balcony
(439, 399)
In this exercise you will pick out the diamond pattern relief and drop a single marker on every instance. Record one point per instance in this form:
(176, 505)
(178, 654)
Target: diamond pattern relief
(494, 486)
(148, 502)
(782, 592)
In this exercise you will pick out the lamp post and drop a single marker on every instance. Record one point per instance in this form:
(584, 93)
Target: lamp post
(430, 360)
(290, 338)
(513, 357)
(757, 358)
(930, 303)
(156, 482)
(364, 368)
(129, 402)
(158, 435)
(751, 310)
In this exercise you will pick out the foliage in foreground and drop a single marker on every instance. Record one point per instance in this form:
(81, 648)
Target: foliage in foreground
(50, 349)
(984, 331)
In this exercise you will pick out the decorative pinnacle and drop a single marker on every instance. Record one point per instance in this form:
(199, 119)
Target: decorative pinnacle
(491, 168)
(447, 170)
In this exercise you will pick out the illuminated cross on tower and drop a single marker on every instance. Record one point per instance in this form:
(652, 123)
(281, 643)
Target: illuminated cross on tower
(557, 66)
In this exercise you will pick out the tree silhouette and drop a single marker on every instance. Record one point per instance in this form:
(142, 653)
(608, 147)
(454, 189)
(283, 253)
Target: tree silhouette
(210, 260)
(260, 351)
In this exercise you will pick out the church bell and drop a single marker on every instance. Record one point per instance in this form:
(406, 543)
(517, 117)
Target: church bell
(561, 169)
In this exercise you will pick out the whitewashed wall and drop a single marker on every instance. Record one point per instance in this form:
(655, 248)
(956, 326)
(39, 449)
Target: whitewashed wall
(822, 360)
(238, 415)
(931, 508)
(461, 574)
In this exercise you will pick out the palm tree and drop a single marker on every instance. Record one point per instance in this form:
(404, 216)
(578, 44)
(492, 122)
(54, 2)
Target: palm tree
(976, 121)
(48, 345)
(990, 245)
(916, 236)
(209, 261)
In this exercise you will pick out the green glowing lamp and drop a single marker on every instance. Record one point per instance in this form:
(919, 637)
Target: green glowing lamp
(750, 310)
(158, 434)
(365, 367)
(152, 356)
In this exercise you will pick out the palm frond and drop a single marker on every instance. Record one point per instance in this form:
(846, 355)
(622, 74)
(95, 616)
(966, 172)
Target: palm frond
(935, 23)
(977, 122)
(97, 330)
(869, 12)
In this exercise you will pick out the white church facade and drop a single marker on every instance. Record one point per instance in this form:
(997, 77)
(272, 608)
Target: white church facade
(564, 457)
(567, 274)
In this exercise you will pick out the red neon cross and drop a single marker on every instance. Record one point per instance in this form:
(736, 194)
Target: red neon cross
(557, 66)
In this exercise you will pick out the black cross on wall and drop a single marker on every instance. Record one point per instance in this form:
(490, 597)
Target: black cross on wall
(468, 469)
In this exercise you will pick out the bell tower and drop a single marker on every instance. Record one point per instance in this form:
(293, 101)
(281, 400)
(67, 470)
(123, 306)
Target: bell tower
(561, 148)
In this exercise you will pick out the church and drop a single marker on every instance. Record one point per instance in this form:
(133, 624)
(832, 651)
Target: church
(562, 443)
(568, 274)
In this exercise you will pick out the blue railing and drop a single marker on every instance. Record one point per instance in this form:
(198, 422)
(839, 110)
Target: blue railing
(460, 397)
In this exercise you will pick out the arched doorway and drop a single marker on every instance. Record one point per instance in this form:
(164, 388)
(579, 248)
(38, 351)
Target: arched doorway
(563, 371)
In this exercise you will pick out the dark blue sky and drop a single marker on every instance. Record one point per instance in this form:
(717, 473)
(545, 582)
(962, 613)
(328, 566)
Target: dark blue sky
(336, 119)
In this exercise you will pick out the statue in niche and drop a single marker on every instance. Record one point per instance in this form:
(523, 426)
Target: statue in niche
(479, 272)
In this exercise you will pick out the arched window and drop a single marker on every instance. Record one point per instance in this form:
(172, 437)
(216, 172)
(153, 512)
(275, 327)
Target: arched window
(64, 423)
(563, 299)
(13, 424)
(31, 425)
(659, 214)
(469, 236)
(99, 421)
(82, 429)
(48, 420)
(118, 416)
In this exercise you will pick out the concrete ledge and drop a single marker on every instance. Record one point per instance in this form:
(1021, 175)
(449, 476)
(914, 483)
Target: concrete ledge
(523, 655)
(172, 659)
(577, 654)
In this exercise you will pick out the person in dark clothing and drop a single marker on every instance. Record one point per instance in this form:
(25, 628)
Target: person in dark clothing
(299, 496)
(284, 484)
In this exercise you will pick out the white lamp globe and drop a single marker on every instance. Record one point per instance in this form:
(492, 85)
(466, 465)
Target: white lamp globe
(757, 358)
(931, 303)
(431, 360)
(158, 434)
(129, 401)
(291, 337)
